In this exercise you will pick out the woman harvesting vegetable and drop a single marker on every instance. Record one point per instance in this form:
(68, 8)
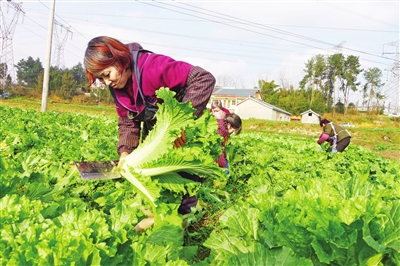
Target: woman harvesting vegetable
(338, 137)
(110, 61)
(228, 123)
(133, 76)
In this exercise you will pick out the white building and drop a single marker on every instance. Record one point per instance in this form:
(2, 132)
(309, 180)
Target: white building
(255, 108)
(310, 117)
(231, 97)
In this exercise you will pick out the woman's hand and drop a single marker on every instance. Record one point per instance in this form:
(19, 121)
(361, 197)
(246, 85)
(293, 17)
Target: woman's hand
(181, 140)
(123, 155)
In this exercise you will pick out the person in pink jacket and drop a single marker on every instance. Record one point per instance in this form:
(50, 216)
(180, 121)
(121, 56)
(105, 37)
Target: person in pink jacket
(227, 125)
(125, 68)
(111, 62)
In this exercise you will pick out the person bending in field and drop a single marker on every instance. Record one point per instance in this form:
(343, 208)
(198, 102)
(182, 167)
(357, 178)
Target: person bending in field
(114, 63)
(337, 136)
(227, 125)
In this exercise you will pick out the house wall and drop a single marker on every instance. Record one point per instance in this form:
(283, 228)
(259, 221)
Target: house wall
(310, 119)
(279, 116)
(228, 102)
(251, 109)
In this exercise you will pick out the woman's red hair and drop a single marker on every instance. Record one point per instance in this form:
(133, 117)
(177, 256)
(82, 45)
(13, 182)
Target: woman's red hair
(103, 52)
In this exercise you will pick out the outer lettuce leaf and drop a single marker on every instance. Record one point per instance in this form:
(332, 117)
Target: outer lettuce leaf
(163, 247)
(260, 255)
(237, 242)
(232, 219)
(383, 233)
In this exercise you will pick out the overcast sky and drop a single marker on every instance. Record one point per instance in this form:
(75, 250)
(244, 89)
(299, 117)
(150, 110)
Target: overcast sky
(240, 42)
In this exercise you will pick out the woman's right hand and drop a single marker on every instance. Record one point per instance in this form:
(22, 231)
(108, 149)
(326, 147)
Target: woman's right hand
(123, 155)
(180, 140)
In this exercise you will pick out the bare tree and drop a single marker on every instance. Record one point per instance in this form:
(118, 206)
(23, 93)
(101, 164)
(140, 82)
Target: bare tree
(226, 81)
(283, 81)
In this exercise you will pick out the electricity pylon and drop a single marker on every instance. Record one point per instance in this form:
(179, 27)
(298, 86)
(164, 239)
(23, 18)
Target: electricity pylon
(61, 40)
(9, 13)
(393, 85)
(338, 47)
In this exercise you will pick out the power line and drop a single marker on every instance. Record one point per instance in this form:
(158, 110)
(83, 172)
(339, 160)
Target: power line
(202, 20)
(213, 14)
(244, 22)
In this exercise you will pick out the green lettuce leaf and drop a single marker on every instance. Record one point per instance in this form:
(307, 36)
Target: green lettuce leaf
(156, 158)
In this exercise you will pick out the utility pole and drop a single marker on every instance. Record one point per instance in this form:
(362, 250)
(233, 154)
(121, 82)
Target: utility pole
(393, 86)
(46, 77)
(7, 32)
(60, 43)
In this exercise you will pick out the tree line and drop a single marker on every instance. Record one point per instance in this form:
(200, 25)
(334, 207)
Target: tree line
(64, 83)
(324, 76)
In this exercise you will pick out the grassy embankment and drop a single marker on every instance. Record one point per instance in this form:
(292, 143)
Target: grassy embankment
(380, 134)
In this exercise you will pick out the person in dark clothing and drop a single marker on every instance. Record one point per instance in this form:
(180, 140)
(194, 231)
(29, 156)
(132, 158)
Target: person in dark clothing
(337, 136)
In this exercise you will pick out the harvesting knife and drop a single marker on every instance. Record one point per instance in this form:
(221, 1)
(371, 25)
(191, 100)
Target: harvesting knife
(98, 170)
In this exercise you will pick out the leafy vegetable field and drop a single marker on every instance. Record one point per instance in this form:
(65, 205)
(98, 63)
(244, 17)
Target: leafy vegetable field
(284, 202)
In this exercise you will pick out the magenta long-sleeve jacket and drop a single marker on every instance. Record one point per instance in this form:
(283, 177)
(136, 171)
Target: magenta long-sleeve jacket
(159, 71)
(223, 132)
(323, 137)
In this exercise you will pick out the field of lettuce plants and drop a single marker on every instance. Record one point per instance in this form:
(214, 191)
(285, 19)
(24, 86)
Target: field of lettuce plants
(284, 202)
